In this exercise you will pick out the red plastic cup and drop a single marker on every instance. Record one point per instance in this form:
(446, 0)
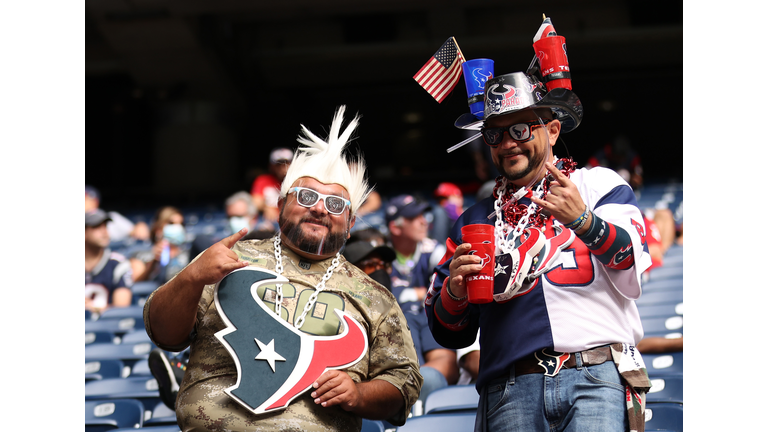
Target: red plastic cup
(480, 285)
(476, 228)
(553, 62)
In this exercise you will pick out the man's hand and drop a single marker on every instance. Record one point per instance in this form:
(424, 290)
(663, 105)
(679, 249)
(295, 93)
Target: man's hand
(563, 200)
(217, 261)
(335, 387)
(461, 266)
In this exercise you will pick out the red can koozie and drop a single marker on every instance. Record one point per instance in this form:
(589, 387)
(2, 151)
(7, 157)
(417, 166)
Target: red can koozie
(553, 62)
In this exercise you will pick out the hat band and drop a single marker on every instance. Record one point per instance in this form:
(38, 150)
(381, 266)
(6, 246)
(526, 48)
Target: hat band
(556, 76)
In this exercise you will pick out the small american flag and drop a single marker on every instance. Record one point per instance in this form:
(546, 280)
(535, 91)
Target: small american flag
(545, 30)
(441, 73)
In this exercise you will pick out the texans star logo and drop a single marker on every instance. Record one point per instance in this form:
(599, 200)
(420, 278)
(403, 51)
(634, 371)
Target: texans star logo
(275, 361)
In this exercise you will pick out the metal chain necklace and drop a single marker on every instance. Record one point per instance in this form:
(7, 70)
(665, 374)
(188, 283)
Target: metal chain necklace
(501, 226)
(318, 288)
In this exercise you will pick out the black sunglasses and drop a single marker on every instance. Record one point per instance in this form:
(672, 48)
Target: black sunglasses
(519, 132)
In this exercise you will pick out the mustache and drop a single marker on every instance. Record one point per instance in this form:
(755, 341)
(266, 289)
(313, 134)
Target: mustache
(512, 152)
(326, 222)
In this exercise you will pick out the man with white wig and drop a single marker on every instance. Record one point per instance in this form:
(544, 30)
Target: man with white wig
(319, 197)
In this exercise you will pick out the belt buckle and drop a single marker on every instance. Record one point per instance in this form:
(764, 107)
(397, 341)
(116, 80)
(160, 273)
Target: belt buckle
(552, 363)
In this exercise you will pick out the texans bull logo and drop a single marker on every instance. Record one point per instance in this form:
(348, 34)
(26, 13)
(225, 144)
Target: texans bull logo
(275, 361)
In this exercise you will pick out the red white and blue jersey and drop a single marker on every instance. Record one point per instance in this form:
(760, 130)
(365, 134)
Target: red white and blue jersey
(579, 303)
(112, 271)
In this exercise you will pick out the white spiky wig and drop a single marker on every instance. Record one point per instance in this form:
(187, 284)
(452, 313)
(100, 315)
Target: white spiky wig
(325, 162)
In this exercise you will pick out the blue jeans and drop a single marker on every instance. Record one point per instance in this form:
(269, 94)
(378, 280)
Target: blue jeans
(584, 399)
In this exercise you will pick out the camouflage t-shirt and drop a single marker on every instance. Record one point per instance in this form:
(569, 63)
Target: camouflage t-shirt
(202, 404)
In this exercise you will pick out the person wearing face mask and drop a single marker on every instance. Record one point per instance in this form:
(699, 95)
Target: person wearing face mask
(170, 249)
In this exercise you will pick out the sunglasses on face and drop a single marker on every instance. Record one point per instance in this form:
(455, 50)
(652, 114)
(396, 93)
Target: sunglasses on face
(308, 198)
(519, 132)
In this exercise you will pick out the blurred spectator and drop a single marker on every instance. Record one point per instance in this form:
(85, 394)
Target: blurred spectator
(370, 235)
(658, 345)
(108, 277)
(266, 187)
(416, 254)
(655, 248)
(371, 204)
(450, 202)
(619, 156)
(170, 251)
(437, 364)
(469, 362)
(665, 224)
(119, 227)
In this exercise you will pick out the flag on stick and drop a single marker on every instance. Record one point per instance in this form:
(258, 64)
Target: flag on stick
(545, 30)
(441, 73)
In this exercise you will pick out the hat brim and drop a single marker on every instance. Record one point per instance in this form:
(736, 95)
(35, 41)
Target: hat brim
(564, 102)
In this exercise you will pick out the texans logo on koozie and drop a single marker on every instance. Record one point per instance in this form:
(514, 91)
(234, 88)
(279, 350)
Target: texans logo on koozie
(275, 361)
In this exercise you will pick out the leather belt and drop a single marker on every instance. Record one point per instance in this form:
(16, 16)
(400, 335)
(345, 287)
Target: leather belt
(590, 357)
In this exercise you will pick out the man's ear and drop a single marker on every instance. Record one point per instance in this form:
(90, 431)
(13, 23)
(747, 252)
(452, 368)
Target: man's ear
(553, 128)
(351, 224)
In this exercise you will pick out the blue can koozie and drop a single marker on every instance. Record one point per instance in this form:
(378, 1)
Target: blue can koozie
(476, 73)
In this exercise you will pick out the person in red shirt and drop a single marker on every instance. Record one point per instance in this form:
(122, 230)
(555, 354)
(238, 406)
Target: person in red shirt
(266, 188)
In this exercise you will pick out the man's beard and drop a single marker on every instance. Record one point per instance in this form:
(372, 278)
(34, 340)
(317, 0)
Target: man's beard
(332, 242)
(534, 162)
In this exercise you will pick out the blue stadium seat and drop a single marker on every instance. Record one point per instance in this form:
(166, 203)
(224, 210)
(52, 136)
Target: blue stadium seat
(449, 422)
(662, 285)
(100, 336)
(141, 290)
(666, 272)
(662, 365)
(117, 326)
(104, 415)
(660, 310)
(674, 260)
(663, 325)
(372, 426)
(452, 399)
(104, 369)
(128, 353)
(168, 428)
(666, 389)
(660, 297)
(161, 416)
(141, 368)
(143, 389)
(135, 336)
(88, 314)
(136, 312)
(663, 416)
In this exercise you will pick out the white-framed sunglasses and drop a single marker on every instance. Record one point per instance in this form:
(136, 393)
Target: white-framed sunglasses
(307, 197)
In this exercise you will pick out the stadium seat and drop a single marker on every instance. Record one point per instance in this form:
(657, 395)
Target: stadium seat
(168, 428)
(660, 310)
(161, 416)
(662, 285)
(660, 297)
(136, 312)
(103, 369)
(141, 290)
(449, 422)
(658, 325)
(372, 426)
(141, 368)
(135, 336)
(117, 326)
(88, 314)
(101, 336)
(666, 272)
(128, 353)
(663, 416)
(666, 389)
(104, 415)
(662, 365)
(452, 399)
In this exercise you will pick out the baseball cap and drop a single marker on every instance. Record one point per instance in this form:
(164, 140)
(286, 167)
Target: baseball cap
(96, 218)
(356, 251)
(405, 206)
(446, 189)
(92, 192)
(281, 155)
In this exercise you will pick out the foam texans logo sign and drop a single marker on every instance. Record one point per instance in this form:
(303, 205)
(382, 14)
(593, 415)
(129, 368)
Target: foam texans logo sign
(275, 361)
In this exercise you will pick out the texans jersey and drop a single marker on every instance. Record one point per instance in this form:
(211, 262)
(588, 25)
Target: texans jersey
(578, 304)
(415, 272)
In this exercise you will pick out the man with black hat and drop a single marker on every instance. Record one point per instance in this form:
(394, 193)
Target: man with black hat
(557, 343)
(108, 276)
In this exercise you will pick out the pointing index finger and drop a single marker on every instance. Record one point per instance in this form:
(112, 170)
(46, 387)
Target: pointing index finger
(234, 238)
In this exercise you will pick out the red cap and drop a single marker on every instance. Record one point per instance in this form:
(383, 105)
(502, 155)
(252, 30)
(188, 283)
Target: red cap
(447, 189)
